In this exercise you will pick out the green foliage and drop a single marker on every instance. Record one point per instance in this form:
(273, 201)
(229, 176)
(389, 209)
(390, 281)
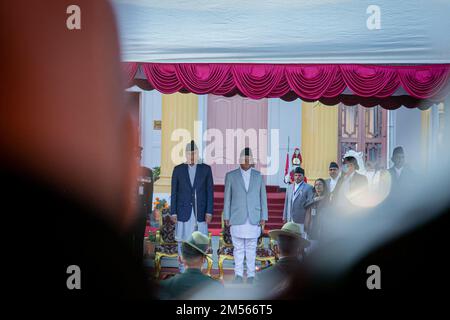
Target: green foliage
(156, 172)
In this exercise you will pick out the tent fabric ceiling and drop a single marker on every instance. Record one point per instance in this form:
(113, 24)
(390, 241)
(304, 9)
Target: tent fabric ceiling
(284, 31)
(211, 46)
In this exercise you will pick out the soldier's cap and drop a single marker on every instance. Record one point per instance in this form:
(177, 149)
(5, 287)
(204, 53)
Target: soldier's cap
(290, 229)
(199, 242)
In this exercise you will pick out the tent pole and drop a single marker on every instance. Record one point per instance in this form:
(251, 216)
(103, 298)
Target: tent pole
(446, 133)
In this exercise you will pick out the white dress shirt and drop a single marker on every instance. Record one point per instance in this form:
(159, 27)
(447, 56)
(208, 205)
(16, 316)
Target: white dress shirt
(398, 171)
(246, 174)
(333, 182)
(246, 230)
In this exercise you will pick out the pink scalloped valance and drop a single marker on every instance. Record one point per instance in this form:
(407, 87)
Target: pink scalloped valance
(309, 82)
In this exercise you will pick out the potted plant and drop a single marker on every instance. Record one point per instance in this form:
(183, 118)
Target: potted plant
(156, 172)
(150, 243)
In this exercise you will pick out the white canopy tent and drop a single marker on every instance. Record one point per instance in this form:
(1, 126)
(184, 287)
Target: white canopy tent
(284, 31)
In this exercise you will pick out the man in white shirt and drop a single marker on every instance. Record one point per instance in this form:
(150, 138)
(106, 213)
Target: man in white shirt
(245, 210)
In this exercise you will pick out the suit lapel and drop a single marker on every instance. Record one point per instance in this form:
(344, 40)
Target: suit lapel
(186, 170)
(299, 194)
(197, 174)
(295, 195)
(241, 178)
(299, 190)
(290, 194)
(338, 184)
(252, 179)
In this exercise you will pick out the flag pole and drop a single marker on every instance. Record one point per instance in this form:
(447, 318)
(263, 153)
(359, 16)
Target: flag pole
(286, 168)
(288, 144)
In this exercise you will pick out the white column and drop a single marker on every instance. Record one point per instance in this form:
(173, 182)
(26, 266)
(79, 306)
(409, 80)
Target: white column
(150, 138)
(446, 132)
(434, 135)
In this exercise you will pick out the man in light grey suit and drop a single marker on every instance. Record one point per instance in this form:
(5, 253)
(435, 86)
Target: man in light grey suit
(245, 210)
(297, 196)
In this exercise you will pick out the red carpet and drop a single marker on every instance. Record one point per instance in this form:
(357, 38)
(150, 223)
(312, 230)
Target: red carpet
(275, 202)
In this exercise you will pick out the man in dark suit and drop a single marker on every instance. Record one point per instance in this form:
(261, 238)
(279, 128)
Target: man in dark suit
(192, 281)
(401, 175)
(351, 184)
(191, 203)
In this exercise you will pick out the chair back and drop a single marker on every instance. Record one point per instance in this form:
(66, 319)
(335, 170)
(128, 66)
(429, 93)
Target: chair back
(227, 236)
(167, 228)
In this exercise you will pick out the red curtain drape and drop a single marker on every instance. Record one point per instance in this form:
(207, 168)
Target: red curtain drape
(129, 70)
(323, 82)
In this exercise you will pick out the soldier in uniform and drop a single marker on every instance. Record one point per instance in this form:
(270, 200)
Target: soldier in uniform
(192, 281)
(296, 162)
(291, 246)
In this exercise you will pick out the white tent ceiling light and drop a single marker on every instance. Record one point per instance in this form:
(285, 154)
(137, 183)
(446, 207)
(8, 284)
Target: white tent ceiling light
(282, 31)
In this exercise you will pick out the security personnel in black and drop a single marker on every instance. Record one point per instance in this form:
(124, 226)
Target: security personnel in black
(144, 207)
